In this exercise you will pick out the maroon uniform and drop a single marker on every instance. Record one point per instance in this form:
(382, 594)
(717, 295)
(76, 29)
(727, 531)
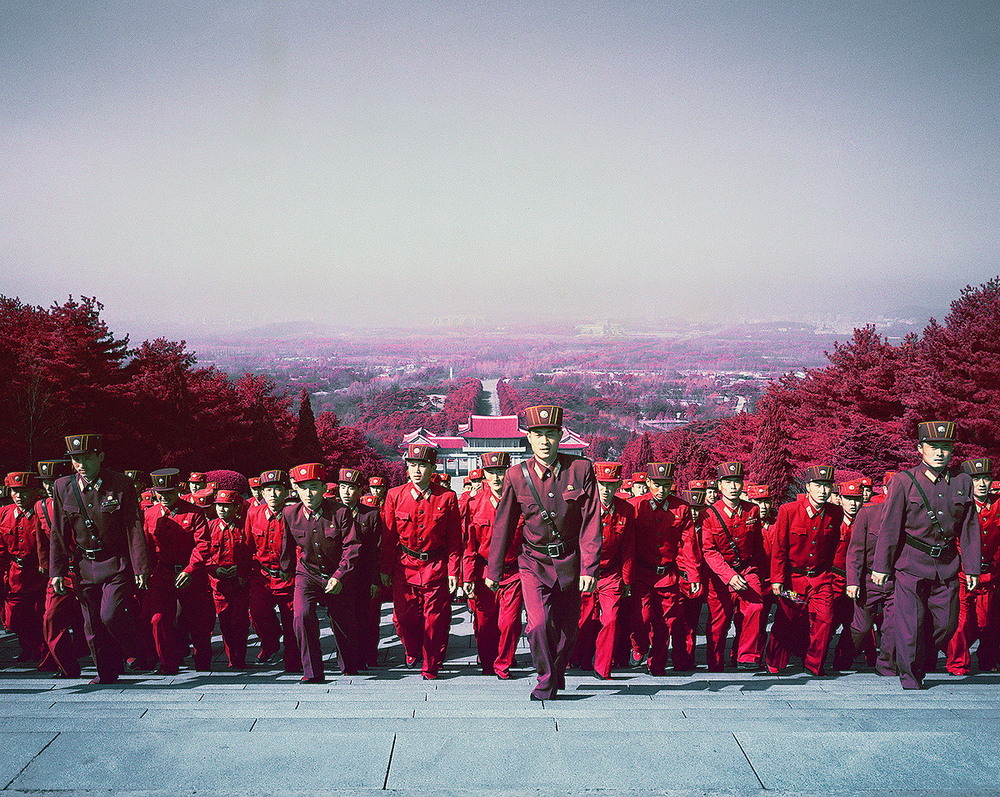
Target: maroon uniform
(873, 606)
(25, 585)
(366, 575)
(228, 563)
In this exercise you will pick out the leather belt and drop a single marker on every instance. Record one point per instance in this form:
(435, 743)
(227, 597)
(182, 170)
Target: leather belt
(19, 560)
(934, 551)
(554, 550)
(809, 572)
(423, 556)
(660, 570)
(273, 572)
(839, 571)
(90, 554)
(314, 571)
(226, 572)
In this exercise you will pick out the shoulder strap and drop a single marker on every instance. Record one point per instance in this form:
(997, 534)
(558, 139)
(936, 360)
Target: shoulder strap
(546, 515)
(83, 506)
(45, 513)
(729, 535)
(927, 506)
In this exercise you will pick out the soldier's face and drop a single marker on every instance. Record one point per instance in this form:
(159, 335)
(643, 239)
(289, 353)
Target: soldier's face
(348, 493)
(378, 490)
(48, 487)
(819, 492)
(866, 493)
(640, 488)
(88, 465)
(24, 497)
(936, 455)
(850, 504)
(731, 489)
(981, 486)
(544, 442)
(311, 493)
(494, 478)
(419, 473)
(606, 491)
(660, 488)
(274, 496)
(711, 495)
(225, 511)
(765, 506)
(255, 492)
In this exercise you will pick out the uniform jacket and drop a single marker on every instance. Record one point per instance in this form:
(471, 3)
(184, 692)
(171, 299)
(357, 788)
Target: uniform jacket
(743, 545)
(477, 535)
(327, 541)
(19, 547)
(178, 537)
(989, 528)
(617, 540)
(228, 550)
(423, 522)
(267, 534)
(370, 531)
(569, 493)
(861, 548)
(805, 539)
(664, 536)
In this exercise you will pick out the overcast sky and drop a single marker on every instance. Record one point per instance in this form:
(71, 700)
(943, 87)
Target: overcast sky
(375, 162)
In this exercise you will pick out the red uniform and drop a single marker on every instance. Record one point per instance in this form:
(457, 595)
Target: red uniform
(666, 554)
(271, 587)
(732, 543)
(62, 620)
(25, 593)
(178, 542)
(979, 610)
(228, 563)
(805, 541)
(421, 548)
(601, 609)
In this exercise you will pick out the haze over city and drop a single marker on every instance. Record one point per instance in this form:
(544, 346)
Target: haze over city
(380, 163)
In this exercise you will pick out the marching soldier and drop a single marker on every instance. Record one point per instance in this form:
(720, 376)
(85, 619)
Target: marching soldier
(867, 489)
(806, 534)
(684, 636)
(179, 602)
(600, 610)
(97, 529)
(555, 494)
(639, 486)
(666, 554)
(327, 540)
(421, 551)
(195, 482)
(365, 581)
(929, 509)
(24, 578)
(733, 547)
(979, 609)
(851, 500)
(228, 564)
(271, 587)
(497, 613)
(256, 500)
(377, 488)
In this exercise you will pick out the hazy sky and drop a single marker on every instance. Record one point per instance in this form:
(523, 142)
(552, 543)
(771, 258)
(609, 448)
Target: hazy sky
(373, 162)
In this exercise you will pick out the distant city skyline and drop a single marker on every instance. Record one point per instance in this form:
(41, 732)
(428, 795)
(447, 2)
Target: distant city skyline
(379, 164)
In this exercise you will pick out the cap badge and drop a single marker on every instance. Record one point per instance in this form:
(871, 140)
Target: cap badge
(543, 414)
(940, 428)
(732, 467)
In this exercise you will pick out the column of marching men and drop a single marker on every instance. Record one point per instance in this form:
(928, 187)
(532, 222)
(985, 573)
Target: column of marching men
(609, 572)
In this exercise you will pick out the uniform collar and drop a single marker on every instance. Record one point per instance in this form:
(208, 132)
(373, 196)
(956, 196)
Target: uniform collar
(811, 510)
(731, 513)
(94, 485)
(314, 514)
(541, 468)
(932, 476)
(417, 493)
(23, 513)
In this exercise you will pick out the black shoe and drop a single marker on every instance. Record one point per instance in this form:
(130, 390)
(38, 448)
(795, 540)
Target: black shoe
(747, 666)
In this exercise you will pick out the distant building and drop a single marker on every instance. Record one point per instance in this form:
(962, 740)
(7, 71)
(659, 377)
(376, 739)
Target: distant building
(459, 454)
(601, 329)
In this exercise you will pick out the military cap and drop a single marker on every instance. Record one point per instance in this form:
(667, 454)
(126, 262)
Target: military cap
(627, 484)
(350, 476)
(850, 489)
(660, 470)
(376, 481)
(694, 498)
(936, 432)
(20, 480)
(729, 470)
(273, 477)
(495, 459)
(543, 417)
(49, 469)
(369, 500)
(212, 486)
(698, 484)
(83, 444)
(818, 473)
(202, 498)
(994, 487)
(164, 479)
(758, 492)
(311, 471)
(331, 490)
(639, 476)
(197, 478)
(476, 474)
(608, 471)
(983, 466)
(865, 481)
(420, 452)
(254, 482)
(227, 497)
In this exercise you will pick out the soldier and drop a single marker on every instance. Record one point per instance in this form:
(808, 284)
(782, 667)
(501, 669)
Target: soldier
(228, 564)
(806, 534)
(421, 552)
(867, 489)
(600, 610)
(196, 481)
(327, 540)
(625, 491)
(179, 602)
(929, 509)
(733, 547)
(497, 613)
(666, 554)
(62, 620)
(711, 492)
(639, 486)
(365, 582)
(22, 575)
(377, 487)
(979, 609)
(684, 636)
(271, 587)
(256, 500)
(851, 500)
(97, 528)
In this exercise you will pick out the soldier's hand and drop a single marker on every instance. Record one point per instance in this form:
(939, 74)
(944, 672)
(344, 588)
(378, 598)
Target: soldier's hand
(587, 583)
(971, 582)
(58, 585)
(737, 582)
(385, 579)
(853, 591)
(333, 586)
(694, 588)
(879, 579)
(776, 589)
(491, 585)
(182, 580)
(452, 584)
(142, 581)
(374, 589)
(627, 591)
(470, 589)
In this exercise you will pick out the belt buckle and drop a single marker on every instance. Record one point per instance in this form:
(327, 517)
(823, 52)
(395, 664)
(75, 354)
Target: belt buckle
(90, 553)
(936, 551)
(423, 556)
(661, 570)
(554, 550)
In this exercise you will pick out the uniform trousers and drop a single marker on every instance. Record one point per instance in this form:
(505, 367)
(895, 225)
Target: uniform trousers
(108, 623)
(174, 612)
(422, 615)
(685, 630)
(843, 613)
(366, 612)
(660, 610)
(874, 608)
(232, 606)
(600, 611)
(22, 609)
(978, 619)
(497, 624)
(725, 604)
(267, 595)
(310, 594)
(62, 627)
(812, 620)
(553, 614)
(924, 616)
